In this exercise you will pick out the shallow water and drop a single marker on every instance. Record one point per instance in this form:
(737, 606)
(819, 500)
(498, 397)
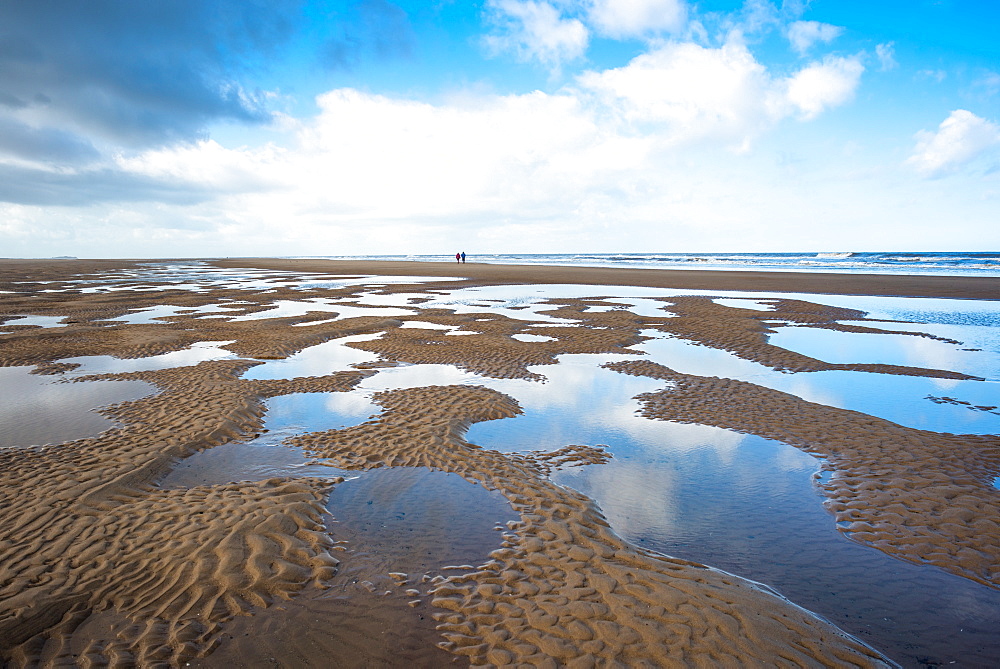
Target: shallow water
(900, 399)
(152, 315)
(39, 410)
(267, 456)
(746, 505)
(292, 309)
(106, 364)
(890, 349)
(38, 321)
(320, 360)
(407, 520)
(415, 520)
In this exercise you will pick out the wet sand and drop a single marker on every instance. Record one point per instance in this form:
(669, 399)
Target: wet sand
(960, 287)
(99, 564)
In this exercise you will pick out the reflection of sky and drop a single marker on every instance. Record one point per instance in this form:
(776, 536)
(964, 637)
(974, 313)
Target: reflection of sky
(531, 337)
(266, 456)
(292, 309)
(150, 314)
(900, 399)
(744, 303)
(390, 300)
(852, 347)
(106, 364)
(320, 360)
(313, 412)
(579, 403)
(658, 489)
(754, 512)
(40, 321)
(424, 325)
(40, 410)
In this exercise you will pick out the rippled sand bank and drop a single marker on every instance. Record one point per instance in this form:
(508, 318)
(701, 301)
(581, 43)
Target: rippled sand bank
(100, 564)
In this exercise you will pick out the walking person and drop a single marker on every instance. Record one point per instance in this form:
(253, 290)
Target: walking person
(463, 257)
(458, 257)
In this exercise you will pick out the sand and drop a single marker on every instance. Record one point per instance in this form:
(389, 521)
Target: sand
(100, 565)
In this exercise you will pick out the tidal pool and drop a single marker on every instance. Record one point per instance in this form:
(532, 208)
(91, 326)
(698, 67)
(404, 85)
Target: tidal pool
(890, 349)
(39, 410)
(267, 456)
(416, 520)
(905, 400)
(37, 321)
(106, 364)
(320, 360)
(747, 505)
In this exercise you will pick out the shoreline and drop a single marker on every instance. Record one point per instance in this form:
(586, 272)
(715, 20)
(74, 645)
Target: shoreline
(825, 283)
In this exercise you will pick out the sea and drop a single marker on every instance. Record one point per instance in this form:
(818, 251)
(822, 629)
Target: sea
(974, 263)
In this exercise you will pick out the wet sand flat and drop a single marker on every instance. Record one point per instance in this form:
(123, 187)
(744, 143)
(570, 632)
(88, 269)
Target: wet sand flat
(109, 557)
(961, 287)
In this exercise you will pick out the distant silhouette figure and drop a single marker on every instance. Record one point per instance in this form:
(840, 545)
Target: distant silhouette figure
(463, 256)
(458, 257)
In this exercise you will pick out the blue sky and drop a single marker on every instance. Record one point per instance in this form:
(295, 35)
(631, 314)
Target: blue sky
(203, 128)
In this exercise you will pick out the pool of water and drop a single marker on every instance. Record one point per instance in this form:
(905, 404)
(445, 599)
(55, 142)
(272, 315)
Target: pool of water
(153, 315)
(891, 349)
(293, 308)
(106, 364)
(267, 456)
(900, 399)
(37, 321)
(320, 360)
(747, 505)
(415, 520)
(39, 410)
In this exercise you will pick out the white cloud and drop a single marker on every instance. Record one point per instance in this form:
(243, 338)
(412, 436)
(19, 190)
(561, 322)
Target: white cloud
(690, 90)
(886, 56)
(960, 139)
(725, 93)
(635, 18)
(823, 85)
(535, 155)
(537, 31)
(621, 152)
(803, 34)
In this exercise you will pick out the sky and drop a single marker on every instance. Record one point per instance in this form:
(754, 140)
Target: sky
(203, 128)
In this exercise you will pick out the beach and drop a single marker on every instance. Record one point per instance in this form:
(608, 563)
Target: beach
(307, 462)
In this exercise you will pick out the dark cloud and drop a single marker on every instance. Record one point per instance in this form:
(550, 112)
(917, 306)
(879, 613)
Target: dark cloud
(44, 144)
(34, 186)
(82, 78)
(138, 72)
(11, 101)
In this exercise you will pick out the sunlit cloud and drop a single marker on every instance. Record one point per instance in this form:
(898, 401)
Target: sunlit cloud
(636, 18)
(536, 31)
(886, 54)
(960, 139)
(804, 34)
